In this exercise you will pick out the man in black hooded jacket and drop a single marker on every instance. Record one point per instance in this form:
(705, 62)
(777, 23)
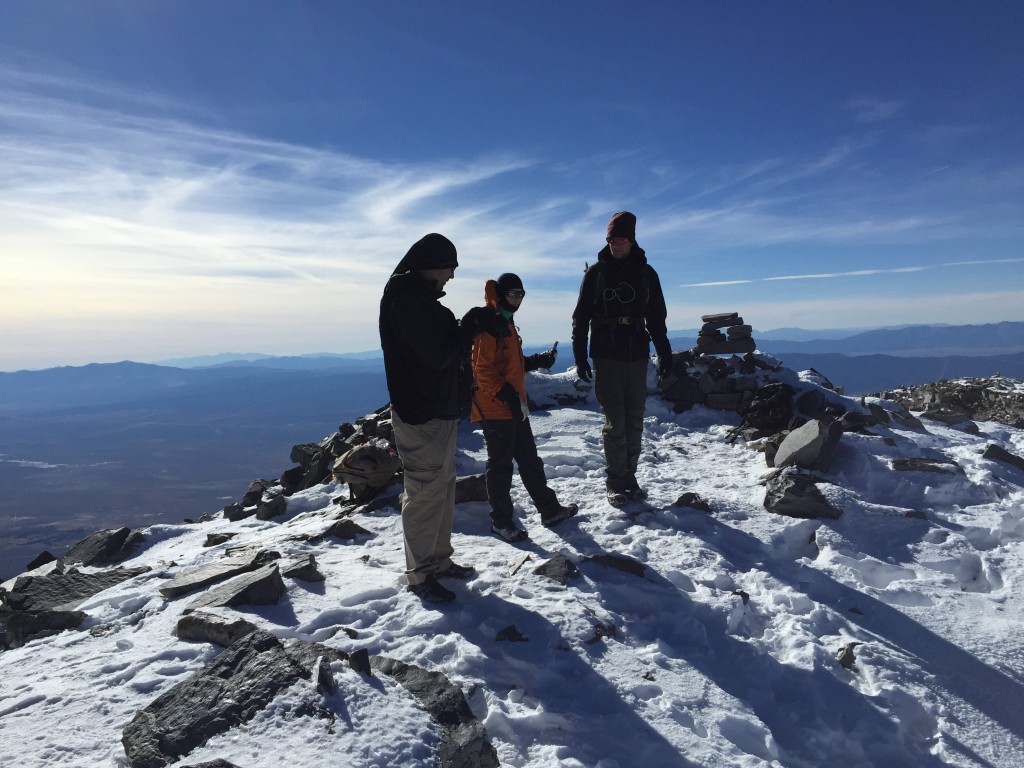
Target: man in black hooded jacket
(423, 344)
(621, 309)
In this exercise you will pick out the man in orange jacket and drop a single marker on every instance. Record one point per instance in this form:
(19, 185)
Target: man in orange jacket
(499, 402)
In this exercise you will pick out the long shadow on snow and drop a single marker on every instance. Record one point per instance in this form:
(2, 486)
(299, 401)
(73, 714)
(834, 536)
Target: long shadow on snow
(994, 694)
(598, 724)
(798, 706)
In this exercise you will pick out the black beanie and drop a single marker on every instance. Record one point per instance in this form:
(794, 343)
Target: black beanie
(507, 282)
(431, 251)
(622, 224)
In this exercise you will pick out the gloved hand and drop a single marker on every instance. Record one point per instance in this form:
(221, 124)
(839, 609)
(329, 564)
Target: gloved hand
(664, 367)
(516, 407)
(542, 359)
(583, 370)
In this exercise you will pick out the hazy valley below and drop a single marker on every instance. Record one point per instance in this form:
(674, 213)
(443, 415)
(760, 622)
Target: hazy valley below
(99, 446)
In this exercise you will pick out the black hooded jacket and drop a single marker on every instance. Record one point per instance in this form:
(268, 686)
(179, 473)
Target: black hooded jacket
(422, 347)
(621, 309)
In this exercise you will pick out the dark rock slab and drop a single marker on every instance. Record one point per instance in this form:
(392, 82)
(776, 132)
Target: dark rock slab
(207, 575)
(693, 501)
(230, 691)
(470, 488)
(63, 591)
(619, 563)
(22, 627)
(275, 506)
(464, 742)
(559, 568)
(41, 559)
(997, 453)
(811, 446)
(103, 547)
(795, 495)
(218, 763)
(203, 627)
(303, 569)
(260, 587)
(938, 466)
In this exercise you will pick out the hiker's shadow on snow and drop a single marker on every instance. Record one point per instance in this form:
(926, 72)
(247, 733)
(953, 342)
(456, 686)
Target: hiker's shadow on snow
(993, 693)
(577, 708)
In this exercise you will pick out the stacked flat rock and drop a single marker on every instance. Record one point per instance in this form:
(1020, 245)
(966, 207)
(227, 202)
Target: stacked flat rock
(736, 339)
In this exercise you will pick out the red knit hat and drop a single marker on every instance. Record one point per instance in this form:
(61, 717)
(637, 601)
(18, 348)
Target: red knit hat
(622, 224)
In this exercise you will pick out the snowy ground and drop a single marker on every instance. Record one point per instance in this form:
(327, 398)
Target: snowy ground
(723, 654)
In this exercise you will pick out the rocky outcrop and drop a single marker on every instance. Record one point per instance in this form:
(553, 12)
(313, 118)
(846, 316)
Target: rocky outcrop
(256, 668)
(40, 605)
(103, 547)
(954, 401)
(230, 691)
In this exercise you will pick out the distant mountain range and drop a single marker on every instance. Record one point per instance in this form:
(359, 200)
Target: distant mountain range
(103, 445)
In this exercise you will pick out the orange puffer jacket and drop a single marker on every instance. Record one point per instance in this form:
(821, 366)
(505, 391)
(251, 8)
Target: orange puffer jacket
(496, 360)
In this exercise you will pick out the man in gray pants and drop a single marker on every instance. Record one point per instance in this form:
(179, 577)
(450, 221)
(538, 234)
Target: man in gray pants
(621, 309)
(423, 343)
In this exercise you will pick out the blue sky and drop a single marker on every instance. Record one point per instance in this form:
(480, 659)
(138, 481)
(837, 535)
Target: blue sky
(191, 178)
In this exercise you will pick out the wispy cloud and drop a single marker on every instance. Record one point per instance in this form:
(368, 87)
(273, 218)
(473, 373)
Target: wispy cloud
(873, 110)
(852, 273)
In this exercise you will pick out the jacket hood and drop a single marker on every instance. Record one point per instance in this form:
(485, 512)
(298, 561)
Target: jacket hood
(431, 251)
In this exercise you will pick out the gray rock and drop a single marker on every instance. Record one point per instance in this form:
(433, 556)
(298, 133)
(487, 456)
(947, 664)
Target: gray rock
(559, 568)
(207, 575)
(938, 466)
(303, 569)
(464, 742)
(22, 627)
(63, 591)
(812, 446)
(41, 559)
(275, 506)
(619, 563)
(693, 501)
(203, 627)
(230, 691)
(796, 495)
(997, 453)
(262, 587)
(103, 547)
(470, 488)
(213, 539)
(238, 511)
(218, 763)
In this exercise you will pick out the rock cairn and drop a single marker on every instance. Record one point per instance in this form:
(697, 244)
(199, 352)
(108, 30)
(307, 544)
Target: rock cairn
(725, 334)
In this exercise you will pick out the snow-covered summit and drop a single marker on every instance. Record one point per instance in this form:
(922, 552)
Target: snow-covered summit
(724, 636)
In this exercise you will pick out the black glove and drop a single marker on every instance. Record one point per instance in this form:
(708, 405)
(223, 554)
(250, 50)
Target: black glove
(664, 367)
(583, 370)
(508, 395)
(541, 360)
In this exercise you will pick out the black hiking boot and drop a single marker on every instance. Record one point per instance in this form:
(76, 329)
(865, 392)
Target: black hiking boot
(511, 533)
(561, 513)
(431, 591)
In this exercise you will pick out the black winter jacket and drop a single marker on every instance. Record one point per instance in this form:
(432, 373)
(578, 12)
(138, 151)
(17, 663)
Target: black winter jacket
(621, 308)
(422, 346)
